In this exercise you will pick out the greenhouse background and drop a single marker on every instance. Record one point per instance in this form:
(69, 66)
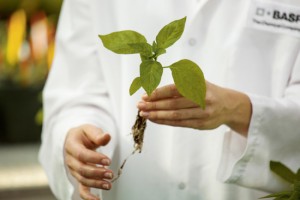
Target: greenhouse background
(27, 35)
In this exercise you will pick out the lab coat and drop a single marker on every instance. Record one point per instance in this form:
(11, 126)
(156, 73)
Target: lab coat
(88, 84)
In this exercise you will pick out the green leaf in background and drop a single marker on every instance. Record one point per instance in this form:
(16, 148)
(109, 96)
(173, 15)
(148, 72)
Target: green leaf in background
(282, 198)
(118, 42)
(281, 195)
(283, 171)
(298, 175)
(296, 191)
(150, 73)
(135, 85)
(170, 33)
(143, 48)
(288, 175)
(189, 80)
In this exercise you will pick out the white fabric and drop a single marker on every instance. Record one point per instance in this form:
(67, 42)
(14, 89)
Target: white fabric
(89, 84)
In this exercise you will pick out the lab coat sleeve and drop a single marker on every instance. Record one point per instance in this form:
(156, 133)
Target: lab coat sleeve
(75, 94)
(273, 135)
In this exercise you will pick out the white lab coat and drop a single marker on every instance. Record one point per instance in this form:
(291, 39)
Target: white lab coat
(89, 84)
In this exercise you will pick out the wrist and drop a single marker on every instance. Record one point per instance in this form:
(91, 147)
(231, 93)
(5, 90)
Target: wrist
(240, 112)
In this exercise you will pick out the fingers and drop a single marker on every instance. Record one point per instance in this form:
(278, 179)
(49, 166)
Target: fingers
(166, 104)
(92, 183)
(90, 175)
(86, 165)
(96, 135)
(182, 114)
(80, 143)
(164, 92)
(85, 155)
(86, 194)
(192, 123)
(89, 156)
(88, 171)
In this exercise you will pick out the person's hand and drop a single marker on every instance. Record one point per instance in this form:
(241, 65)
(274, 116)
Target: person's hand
(85, 164)
(223, 106)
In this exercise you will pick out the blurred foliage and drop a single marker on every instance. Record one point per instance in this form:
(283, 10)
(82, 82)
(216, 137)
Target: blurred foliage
(30, 6)
(27, 30)
(27, 34)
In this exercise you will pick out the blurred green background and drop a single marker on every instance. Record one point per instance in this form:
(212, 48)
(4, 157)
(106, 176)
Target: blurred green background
(27, 35)
(30, 6)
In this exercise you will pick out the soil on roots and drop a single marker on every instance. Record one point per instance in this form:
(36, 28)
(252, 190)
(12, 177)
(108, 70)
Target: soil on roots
(137, 131)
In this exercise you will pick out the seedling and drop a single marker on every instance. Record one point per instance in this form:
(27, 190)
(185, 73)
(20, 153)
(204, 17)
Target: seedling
(187, 75)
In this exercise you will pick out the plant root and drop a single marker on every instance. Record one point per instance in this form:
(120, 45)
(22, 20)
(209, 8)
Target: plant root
(137, 132)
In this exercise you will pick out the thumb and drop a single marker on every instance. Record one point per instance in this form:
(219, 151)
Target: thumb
(96, 135)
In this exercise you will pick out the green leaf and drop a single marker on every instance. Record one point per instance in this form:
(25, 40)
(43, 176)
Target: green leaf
(281, 198)
(144, 58)
(298, 175)
(170, 33)
(189, 80)
(285, 194)
(160, 51)
(144, 49)
(283, 171)
(150, 73)
(119, 42)
(135, 85)
(296, 191)
(154, 46)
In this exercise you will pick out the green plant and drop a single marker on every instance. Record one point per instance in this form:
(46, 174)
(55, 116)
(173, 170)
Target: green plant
(288, 175)
(187, 75)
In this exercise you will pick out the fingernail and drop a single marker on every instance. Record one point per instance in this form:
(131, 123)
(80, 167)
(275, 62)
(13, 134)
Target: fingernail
(108, 175)
(144, 114)
(141, 105)
(105, 161)
(106, 186)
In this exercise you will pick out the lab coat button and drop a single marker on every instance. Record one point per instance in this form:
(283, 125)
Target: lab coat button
(181, 186)
(192, 41)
